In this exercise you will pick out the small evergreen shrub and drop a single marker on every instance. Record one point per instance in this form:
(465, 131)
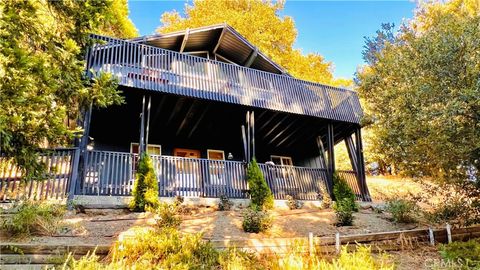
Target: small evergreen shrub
(145, 189)
(256, 221)
(225, 204)
(260, 193)
(167, 216)
(343, 212)
(34, 218)
(466, 254)
(343, 192)
(325, 197)
(293, 203)
(402, 210)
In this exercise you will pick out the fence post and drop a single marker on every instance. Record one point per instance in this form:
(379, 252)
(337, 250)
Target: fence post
(73, 178)
(310, 243)
(449, 233)
(337, 242)
(431, 237)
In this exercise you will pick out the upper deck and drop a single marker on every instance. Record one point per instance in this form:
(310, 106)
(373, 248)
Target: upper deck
(152, 68)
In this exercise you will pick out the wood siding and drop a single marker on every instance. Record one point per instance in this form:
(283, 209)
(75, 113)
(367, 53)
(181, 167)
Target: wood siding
(151, 68)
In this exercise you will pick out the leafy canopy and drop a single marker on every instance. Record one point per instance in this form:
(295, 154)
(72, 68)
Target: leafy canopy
(422, 90)
(42, 85)
(259, 22)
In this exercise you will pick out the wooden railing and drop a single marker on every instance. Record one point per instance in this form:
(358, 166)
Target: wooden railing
(54, 183)
(148, 67)
(113, 173)
(300, 182)
(351, 179)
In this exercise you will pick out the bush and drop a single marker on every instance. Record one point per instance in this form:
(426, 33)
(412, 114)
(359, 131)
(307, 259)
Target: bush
(256, 221)
(293, 203)
(343, 212)
(343, 192)
(145, 189)
(260, 193)
(466, 254)
(456, 203)
(225, 204)
(325, 197)
(167, 216)
(34, 218)
(402, 210)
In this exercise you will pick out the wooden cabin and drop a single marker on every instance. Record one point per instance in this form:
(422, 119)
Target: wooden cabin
(187, 96)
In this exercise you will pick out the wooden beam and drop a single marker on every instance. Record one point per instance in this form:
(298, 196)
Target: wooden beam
(188, 116)
(176, 110)
(295, 131)
(251, 58)
(331, 157)
(308, 131)
(279, 134)
(192, 131)
(267, 122)
(352, 153)
(158, 109)
(361, 165)
(224, 30)
(185, 40)
(276, 126)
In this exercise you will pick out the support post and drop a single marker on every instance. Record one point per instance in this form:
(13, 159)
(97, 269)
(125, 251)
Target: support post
(142, 129)
(361, 166)
(82, 144)
(74, 179)
(331, 158)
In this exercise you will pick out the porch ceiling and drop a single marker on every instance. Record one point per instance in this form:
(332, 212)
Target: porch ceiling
(189, 122)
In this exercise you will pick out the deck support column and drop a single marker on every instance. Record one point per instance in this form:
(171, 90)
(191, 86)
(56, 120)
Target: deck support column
(331, 157)
(361, 166)
(82, 143)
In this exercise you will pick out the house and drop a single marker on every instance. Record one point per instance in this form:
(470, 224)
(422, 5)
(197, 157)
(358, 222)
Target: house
(203, 102)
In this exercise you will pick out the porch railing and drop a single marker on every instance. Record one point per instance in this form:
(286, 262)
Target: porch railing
(54, 183)
(113, 173)
(147, 67)
(351, 179)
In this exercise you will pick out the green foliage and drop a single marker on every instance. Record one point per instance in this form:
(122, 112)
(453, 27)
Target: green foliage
(421, 88)
(343, 212)
(402, 210)
(260, 23)
(466, 254)
(456, 203)
(293, 203)
(260, 193)
(343, 192)
(168, 216)
(33, 218)
(225, 204)
(43, 90)
(256, 221)
(326, 200)
(145, 189)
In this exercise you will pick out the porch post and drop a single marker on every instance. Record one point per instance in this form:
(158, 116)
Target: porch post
(82, 144)
(142, 130)
(331, 157)
(352, 152)
(361, 165)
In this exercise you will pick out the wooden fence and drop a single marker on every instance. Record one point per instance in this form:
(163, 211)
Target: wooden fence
(53, 184)
(147, 67)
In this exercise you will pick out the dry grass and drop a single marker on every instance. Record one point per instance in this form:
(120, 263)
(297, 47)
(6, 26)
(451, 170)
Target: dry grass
(384, 187)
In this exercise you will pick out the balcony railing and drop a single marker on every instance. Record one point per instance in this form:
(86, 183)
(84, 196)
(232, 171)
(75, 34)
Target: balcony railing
(152, 68)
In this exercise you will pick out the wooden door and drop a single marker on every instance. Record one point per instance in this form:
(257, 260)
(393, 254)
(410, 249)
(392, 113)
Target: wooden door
(188, 153)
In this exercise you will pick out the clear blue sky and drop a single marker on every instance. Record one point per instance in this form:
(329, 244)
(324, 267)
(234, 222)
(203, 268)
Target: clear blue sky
(335, 29)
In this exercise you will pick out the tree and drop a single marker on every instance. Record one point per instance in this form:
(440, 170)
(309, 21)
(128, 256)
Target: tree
(42, 84)
(260, 193)
(145, 190)
(260, 22)
(422, 90)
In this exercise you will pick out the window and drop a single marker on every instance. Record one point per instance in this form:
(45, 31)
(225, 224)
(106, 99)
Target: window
(216, 154)
(152, 149)
(282, 160)
(188, 153)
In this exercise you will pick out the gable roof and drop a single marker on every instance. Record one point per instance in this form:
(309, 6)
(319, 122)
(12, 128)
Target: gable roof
(220, 39)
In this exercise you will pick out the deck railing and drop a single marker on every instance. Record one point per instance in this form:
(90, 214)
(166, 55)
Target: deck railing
(54, 182)
(113, 173)
(147, 67)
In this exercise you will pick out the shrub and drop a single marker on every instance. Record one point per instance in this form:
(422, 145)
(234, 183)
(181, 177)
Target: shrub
(456, 203)
(145, 189)
(256, 221)
(463, 253)
(325, 197)
(167, 216)
(293, 203)
(34, 218)
(343, 212)
(343, 192)
(225, 204)
(260, 193)
(402, 210)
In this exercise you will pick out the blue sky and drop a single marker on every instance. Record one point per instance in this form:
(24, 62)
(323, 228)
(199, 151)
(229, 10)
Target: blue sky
(335, 29)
